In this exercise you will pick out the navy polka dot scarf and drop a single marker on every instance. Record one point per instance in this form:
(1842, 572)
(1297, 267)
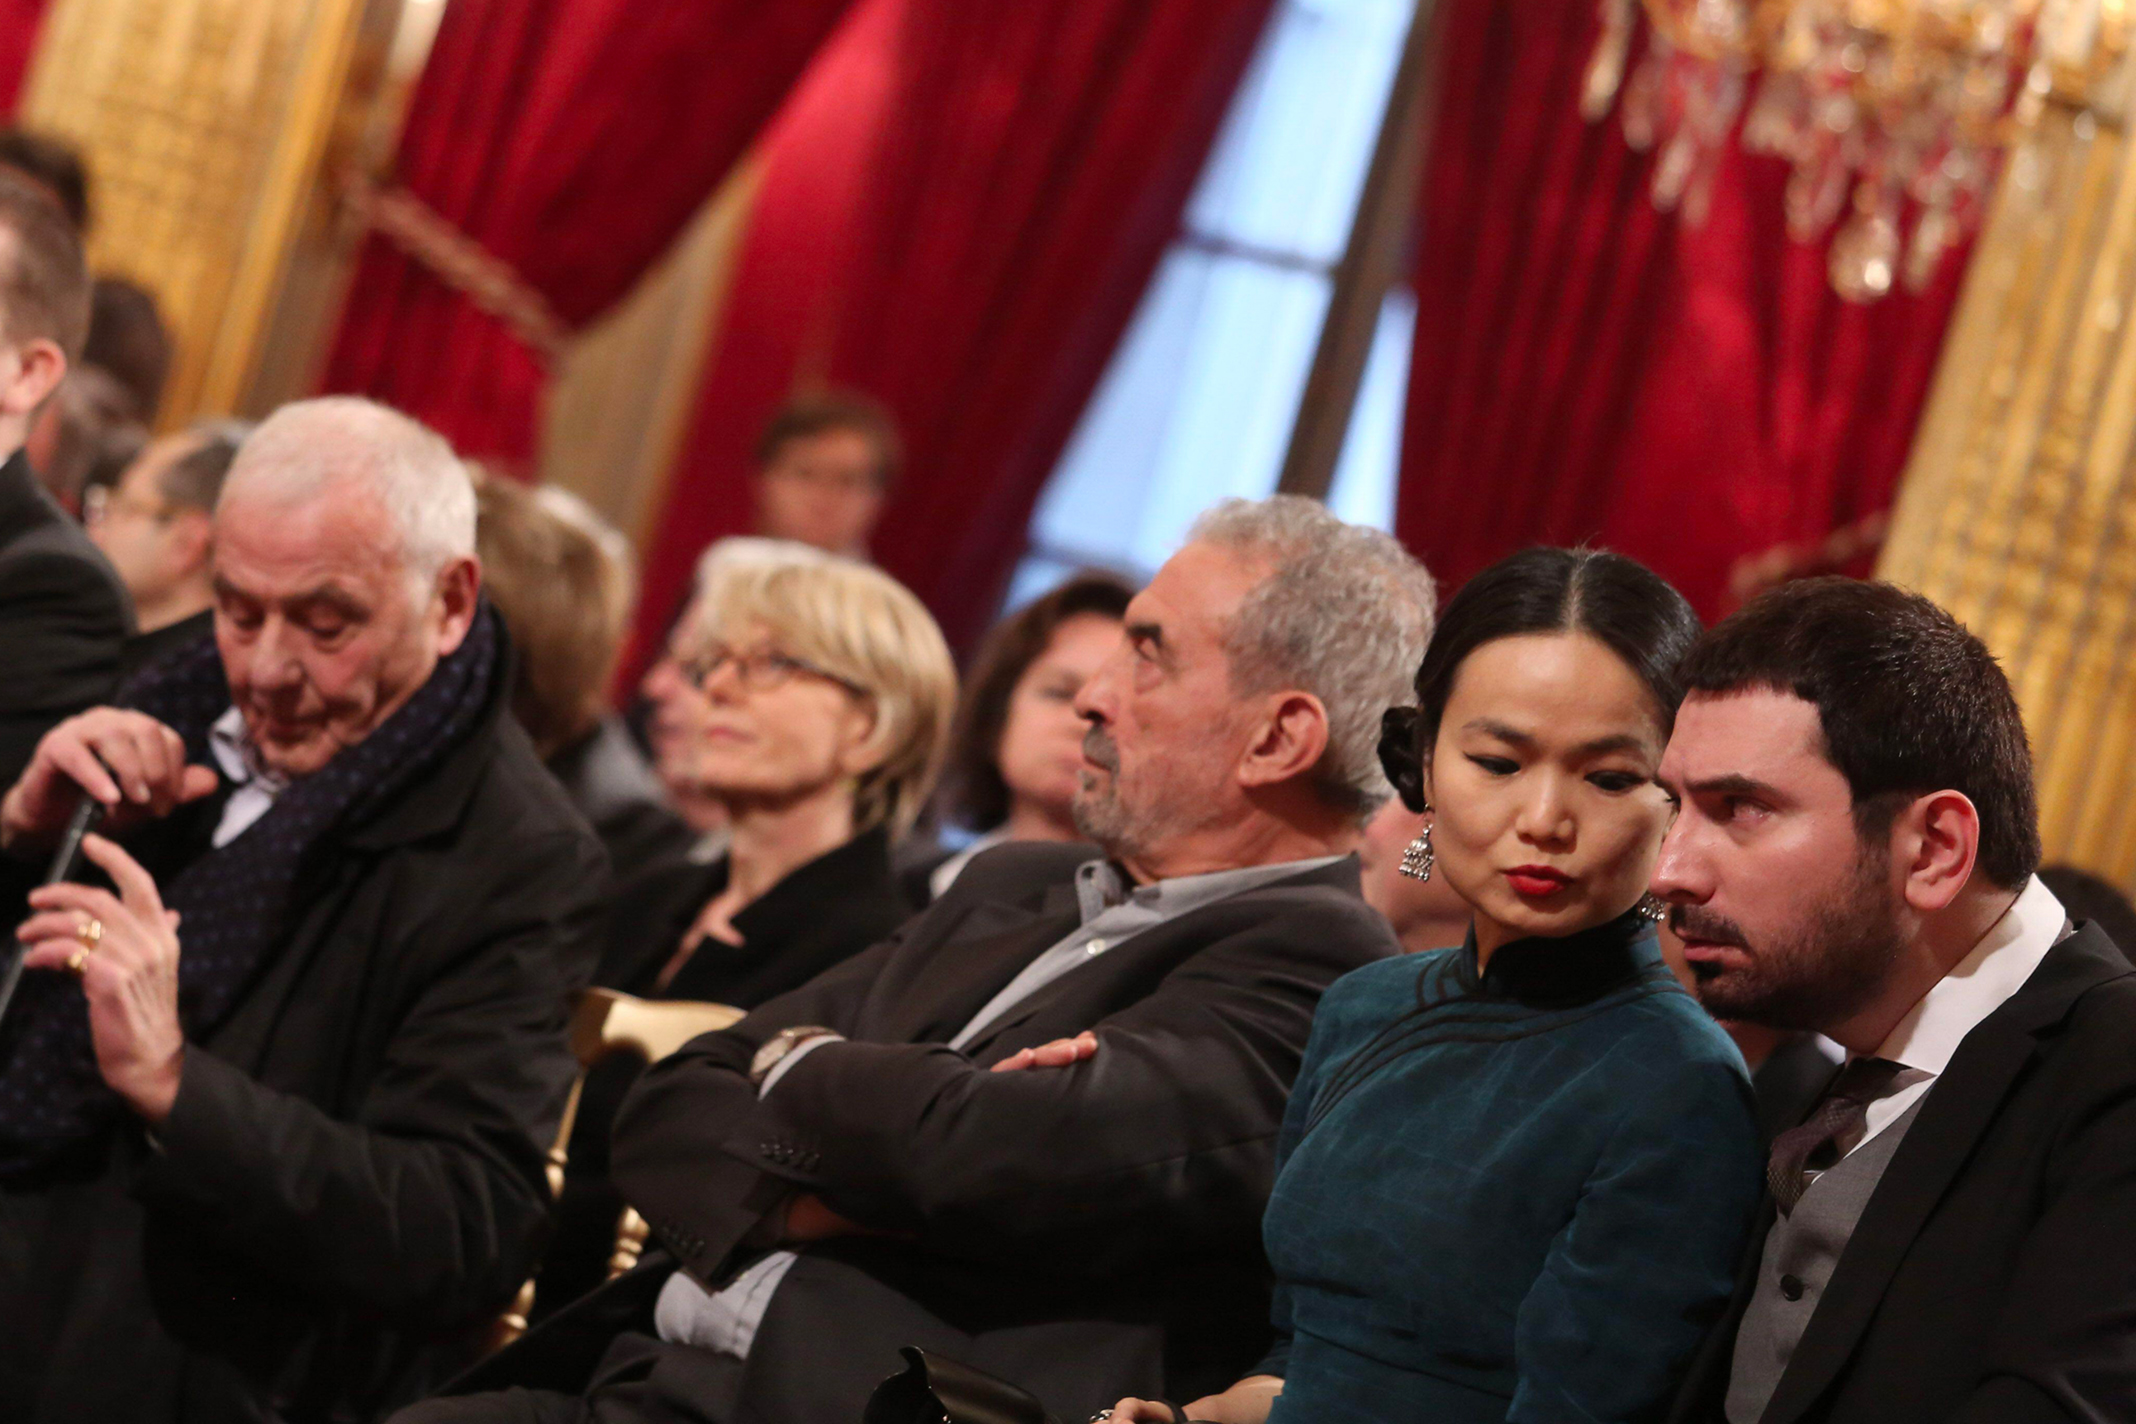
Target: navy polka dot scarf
(234, 901)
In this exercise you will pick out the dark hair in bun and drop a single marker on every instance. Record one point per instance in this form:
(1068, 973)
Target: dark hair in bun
(1619, 602)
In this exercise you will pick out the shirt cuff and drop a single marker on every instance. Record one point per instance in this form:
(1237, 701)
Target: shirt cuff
(795, 1055)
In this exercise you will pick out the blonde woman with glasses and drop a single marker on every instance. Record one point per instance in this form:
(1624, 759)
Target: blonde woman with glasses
(820, 695)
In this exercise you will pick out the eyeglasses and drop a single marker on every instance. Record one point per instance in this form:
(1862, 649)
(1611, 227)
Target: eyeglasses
(104, 502)
(758, 671)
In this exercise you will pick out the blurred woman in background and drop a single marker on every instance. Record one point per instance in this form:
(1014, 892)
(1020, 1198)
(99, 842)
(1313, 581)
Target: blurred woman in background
(561, 577)
(1017, 747)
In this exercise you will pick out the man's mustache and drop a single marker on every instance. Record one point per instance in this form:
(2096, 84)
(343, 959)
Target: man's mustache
(1698, 922)
(1098, 748)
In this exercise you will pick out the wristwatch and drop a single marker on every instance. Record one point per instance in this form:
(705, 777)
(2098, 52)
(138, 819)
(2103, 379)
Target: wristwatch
(779, 1045)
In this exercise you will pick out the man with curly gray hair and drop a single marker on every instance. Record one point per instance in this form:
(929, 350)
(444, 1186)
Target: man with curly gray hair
(1034, 1131)
(1266, 651)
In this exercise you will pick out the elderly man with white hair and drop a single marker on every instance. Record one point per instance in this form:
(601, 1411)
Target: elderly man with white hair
(275, 1094)
(1033, 1131)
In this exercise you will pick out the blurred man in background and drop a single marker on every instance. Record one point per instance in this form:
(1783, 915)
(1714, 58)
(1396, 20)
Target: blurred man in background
(157, 526)
(824, 467)
(63, 613)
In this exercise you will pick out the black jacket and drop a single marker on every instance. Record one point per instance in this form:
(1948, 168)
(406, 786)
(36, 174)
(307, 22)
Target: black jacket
(351, 1183)
(1088, 1232)
(64, 616)
(144, 650)
(818, 917)
(1990, 1279)
(822, 914)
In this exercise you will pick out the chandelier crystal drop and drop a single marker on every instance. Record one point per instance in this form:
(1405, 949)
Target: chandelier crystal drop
(1891, 114)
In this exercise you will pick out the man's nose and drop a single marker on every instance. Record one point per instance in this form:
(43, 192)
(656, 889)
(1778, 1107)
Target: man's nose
(1093, 700)
(1679, 875)
(274, 657)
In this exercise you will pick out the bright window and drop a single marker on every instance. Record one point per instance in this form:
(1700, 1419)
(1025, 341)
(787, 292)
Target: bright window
(1199, 400)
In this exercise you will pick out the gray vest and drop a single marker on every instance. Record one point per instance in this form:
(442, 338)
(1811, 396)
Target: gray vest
(1801, 1252)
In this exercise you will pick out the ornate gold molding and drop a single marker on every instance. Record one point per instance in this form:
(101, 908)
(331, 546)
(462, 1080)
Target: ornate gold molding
(2018, 507)
(211, 127)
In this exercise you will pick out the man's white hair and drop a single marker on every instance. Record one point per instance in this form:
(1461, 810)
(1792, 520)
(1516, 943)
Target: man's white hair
(309, 446)
(1344, 613)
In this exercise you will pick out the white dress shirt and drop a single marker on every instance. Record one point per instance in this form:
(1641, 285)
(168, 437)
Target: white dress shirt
(1925, 1040)
(242, 768)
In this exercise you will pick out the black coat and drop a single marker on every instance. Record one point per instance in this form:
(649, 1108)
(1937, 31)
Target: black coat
(145, 650)
(819, 916)
(351, 1182)
(1992, 1277)
(64, 617)
(1088, 1232)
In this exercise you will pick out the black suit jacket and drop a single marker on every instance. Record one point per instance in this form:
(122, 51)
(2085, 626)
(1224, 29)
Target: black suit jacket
(1088, 1232)
(820, 915)
(64, 617)
(1992, 1277)
(351, 1183)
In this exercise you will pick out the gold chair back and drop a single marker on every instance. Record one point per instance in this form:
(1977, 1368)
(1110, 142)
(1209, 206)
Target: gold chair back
(605, 1022)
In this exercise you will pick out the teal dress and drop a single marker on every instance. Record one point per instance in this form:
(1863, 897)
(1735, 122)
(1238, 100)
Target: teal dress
(1515, 1196)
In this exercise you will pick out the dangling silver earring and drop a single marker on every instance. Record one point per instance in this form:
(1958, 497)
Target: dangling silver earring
(1417, 859)
(1652, 907)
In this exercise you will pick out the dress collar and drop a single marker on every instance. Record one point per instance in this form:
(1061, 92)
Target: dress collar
(1572, 969)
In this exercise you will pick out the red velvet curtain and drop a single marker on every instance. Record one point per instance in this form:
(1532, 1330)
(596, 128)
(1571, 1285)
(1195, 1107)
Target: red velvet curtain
(572, 139)
(1588, 369)
(959, 213)
(20, 21)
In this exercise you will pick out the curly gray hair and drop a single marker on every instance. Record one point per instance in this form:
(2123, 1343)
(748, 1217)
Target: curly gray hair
(1344, 613)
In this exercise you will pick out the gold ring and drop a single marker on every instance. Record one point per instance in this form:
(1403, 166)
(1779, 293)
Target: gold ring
(76, 961)
(90, 932)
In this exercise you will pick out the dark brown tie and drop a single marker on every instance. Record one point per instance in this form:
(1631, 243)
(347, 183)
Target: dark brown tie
(1829, 1133)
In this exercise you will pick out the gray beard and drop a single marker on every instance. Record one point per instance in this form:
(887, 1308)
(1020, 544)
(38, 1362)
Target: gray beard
(1102, 820)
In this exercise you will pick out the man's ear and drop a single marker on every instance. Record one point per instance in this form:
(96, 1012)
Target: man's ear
(459, 592)
(1289, 742)
(35, 369)
(1935, 841)
(194, 532)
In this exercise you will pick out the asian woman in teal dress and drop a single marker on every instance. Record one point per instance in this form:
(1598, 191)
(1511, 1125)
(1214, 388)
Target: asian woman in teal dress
(1515, 1176)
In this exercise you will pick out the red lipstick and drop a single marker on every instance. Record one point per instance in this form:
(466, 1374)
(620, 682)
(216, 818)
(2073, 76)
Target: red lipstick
(1536, 881)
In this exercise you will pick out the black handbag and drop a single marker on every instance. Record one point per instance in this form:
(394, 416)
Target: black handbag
(932, 1390)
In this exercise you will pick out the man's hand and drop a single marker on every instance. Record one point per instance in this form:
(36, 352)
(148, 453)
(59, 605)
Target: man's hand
(129, 761)
(130, 976)
(1246, 1402)
(1058, 1054)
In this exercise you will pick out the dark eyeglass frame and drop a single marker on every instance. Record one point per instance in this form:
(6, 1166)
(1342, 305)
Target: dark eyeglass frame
(763, 670)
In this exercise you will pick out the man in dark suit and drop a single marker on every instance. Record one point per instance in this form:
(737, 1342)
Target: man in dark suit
(1950, 1227)
(63, 613)
(274, 1107)
(1034, 1131)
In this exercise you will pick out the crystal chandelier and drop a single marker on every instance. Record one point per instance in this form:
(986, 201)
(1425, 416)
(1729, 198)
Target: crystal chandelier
(1885, 110)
